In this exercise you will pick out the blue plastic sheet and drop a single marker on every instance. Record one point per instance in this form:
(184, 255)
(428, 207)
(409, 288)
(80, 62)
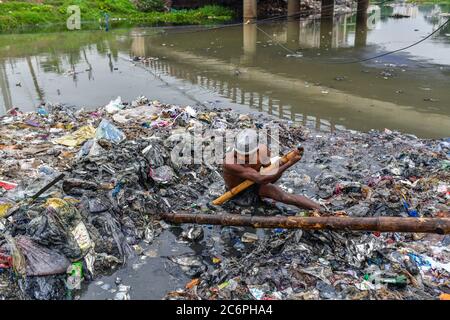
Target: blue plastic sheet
(106, 130)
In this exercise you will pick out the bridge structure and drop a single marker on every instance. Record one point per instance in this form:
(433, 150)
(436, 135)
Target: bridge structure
(250, 7)
(250, 13)
(294, 10)
(329, 35)
(275, 92)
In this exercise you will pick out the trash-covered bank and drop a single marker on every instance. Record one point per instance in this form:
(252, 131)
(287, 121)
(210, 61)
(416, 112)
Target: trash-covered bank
(119, 176)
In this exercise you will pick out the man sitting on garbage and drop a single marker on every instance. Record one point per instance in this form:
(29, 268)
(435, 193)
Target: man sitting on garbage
(245, 161)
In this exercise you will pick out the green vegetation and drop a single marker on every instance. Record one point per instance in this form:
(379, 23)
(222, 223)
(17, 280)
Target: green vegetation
(149, 5)
(52, 14)
(429, 1)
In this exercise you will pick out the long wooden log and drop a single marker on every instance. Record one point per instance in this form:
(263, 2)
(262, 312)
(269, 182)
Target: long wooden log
(248, 183)
(380, 224)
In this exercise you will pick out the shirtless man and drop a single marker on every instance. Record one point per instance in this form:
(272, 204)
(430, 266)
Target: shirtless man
(244, 163)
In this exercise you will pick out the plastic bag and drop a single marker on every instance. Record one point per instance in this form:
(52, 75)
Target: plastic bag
(47, 231)
(106, 130)
(114, 240)
(7, 185)
(114, 105)
(72, 221)
(19, 264)
(143, 113)
(41, 261)
(45, 287)
(163, 174)
(4, 207)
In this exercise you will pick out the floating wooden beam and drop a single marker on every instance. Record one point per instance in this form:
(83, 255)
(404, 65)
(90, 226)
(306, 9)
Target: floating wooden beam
(379, 224)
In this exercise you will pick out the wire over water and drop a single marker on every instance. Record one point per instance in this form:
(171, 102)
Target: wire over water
(397, 50)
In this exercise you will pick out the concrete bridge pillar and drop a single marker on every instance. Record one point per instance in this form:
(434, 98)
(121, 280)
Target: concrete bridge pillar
(293, 33)
(138, 46)
(326, 24)
(250, 10)
(293, 9)
(327, 10)
(250, 35)
(326, 33)
(361, 23)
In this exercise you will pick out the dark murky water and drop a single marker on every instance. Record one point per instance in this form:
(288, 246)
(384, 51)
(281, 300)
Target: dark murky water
(150, 276)
(246, 66)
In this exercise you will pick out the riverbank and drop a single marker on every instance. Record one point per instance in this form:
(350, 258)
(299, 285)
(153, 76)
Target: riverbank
(428, 1)
(119, 176)
(50, 15)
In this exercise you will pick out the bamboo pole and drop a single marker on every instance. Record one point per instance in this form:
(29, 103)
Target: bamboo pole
(380, 224)
(247, 183)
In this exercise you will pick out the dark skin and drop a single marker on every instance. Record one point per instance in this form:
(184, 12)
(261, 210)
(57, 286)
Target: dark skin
(237, 169)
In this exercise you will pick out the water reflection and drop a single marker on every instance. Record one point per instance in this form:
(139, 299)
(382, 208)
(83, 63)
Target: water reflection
(248, 67)
(361, 23)
(4, 85)
(250, 39)
(408, 10)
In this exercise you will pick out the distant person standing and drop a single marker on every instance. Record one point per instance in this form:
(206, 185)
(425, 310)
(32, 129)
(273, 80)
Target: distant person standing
(106, 21)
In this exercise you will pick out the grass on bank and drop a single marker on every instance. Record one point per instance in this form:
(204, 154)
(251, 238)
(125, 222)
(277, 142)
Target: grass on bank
(16, 15)
(428, 1)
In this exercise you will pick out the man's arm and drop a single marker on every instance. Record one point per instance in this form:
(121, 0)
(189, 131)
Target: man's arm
(253, 175)
(249, 174)
(281, 169)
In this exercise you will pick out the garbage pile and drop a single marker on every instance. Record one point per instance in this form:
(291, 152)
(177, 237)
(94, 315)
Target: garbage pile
(354, 174)
(113, 175)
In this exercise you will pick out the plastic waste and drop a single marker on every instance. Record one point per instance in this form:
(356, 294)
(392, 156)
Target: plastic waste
(256, 291)
(411, 212)
(376, 278)
(51, 287)
(123, 292)
(74, 276)
(114, 105)
(6, 261)
(189, 263)
(192, 283)
(41, 261)
(249, 237)
(112, 195)
(444, 296)
(4, 207)
(106, 130)
(17, 258)
(72, 221)
(7, 185)
(163, 174)
(47, 231)
(78, 137)
(41, 111)
(141, 113)
(194, 233)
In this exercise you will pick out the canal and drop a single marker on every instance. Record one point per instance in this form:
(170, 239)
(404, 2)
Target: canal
(306, 70)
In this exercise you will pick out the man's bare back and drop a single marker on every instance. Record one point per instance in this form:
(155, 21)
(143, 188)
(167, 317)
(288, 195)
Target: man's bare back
(231, 161)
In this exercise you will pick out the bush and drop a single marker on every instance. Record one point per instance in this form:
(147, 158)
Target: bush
(149, 5)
